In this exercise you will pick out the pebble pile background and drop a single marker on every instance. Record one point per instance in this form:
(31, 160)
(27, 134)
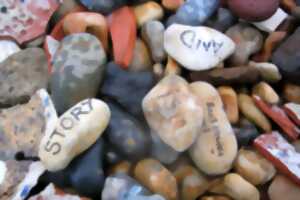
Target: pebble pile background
(149, 100)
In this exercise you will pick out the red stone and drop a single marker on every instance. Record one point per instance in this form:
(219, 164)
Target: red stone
(293, 111)
(123, 30)
(25, 20)
(278, 116)
(281, 153)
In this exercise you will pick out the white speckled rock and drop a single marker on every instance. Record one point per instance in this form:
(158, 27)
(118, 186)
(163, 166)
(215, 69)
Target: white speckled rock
(197, 48)
(76, 130)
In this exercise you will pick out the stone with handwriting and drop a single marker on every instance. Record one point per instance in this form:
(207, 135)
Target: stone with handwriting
(197, 48)
(76, 130)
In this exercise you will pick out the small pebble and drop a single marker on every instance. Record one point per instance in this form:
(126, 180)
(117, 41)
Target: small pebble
(283, 188)
(215, 198)
(265, 92)
(186, 44)
(172, 4)
(268, 71)
(291, 92)
(103, 6)
(230, 102)
(246, 134)
(222, 20)
(172, 67)
(148, 11)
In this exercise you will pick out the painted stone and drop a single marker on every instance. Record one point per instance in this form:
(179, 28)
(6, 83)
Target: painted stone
(172, 111)
(127, 88)
(230, 102)
(279, 117)
(123, 30)
(58, 148)
(156, 178)
(148, 11)
(126, 133)
(15, 71)
(253, 167)
(186, 44)
(293, 111)
(153, 35)
(281, 153)
(248, 41)
(253, 10)
(8, 48)
(283, 188)
(93, 23)
(265, 92)
(216, 147)
(23, 126)
(25, 20)
(195, 12)
(78, 68)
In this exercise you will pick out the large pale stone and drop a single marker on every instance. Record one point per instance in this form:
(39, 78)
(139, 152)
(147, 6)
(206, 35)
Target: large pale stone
(216, 147)
(197, 48)
(76, 130)
(173, 113)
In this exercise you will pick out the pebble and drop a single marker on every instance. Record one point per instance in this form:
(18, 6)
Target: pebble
(271, 24)
(161, 151)
(228, 76)
(172, 67)
(23, 126)
(156, 178)
(252, 113)
(123, 167)
(103, 6)
(281, 153)
(186, 44)
(93, 23)
(253, 167)
(123, 31)
(291, 92)
(126, 133)
(265, 92)
(246, 134)
(141, 60)
(8, 48)
(153, 35)
(248, 41)
(195, 12)
(16, 70)
(56, 150)
(215, 198)
(268, 71)
(283, 188)
(123, 187)
(148, 11)
(172, 111)
(78, 65)
(279, 117)
(222, 20)
(293, 111)
(65, 8)
(286, 57)
(172, 4)
(158, 71)
(128, 88)
(216, 147)
(253, 10)
(230, 102)
(236, 187)
(192, 184)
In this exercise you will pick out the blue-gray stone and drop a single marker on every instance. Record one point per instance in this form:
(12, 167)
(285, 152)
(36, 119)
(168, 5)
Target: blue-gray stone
(103, 6)
(222, 20)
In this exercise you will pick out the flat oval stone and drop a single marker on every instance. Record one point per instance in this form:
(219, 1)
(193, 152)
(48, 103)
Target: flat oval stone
(172, 111)
(77, 70)
(253, 10)
(266, 93)
(126, 133)
(216, 147)
(156, 178)
(103, 6)
(186, 44)
(15, 71)
(58, 148)
(268, 71)
(195, 12)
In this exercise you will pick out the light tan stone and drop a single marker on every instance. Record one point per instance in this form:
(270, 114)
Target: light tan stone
(266, 92)
(229, 99)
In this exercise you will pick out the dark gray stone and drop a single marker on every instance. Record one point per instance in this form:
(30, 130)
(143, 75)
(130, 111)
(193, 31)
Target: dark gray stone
(222, 20)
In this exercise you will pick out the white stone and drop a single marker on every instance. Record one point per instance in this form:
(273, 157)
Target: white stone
(197, 48)
(270, 25)
(3, 170)
(8, 48)
(76, 130)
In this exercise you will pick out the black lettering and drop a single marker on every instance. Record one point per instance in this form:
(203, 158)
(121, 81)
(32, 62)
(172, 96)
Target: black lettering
(77, 111)
(67, 123)
(206, 45)
(217, 46)
(55, 132)
(217, 134)
(53, 146)
(210, 106)
(187, 38)
(199, 44)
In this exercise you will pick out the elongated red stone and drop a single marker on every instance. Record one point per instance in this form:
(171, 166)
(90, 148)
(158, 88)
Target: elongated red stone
(281, 153)
(123, 28)
(25, 20)
(293, 111)
(278, 115)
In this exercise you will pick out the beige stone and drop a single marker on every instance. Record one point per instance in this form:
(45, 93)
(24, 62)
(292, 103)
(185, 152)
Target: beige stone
(173, 113)
(253, 167)
(216, 147)
(229, 99)
(266, 92)
(252, 113)
(147, 12)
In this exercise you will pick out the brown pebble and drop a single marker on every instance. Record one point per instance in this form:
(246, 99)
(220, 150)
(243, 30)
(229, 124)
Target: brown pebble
(291, 93)
(229, 98)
